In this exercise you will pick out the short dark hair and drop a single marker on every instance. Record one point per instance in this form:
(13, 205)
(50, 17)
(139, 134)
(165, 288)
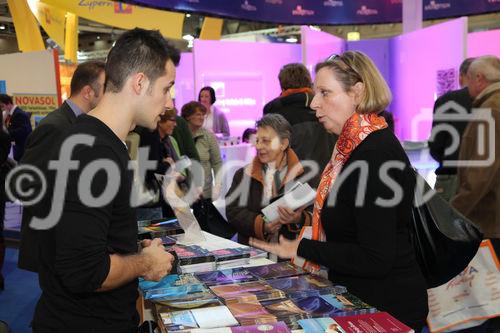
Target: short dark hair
(85, 74)
(138, 50)
(212, 94)
(5, 99)
(464, 66)
(293, 76)
(190, 108)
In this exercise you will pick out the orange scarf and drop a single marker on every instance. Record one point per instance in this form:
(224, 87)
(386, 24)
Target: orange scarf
(355, 130)
(292, 91)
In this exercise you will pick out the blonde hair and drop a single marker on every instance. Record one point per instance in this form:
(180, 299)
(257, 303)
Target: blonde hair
(352, 67)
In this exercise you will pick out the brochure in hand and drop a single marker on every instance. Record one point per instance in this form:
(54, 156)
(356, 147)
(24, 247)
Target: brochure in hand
(298, 196)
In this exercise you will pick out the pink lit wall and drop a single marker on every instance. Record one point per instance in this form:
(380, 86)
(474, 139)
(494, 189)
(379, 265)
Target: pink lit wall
(244, 76)
(483, 43)
(317, 46)
(416, 58)
(184, 81)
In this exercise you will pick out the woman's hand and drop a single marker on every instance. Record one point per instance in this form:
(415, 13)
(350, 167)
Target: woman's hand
(272, 227)
(285, 249)
(288, 216)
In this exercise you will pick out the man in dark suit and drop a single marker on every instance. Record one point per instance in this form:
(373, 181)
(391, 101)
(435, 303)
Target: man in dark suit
(446, 176)
(87, 86)
(4, 169)
(18, 124)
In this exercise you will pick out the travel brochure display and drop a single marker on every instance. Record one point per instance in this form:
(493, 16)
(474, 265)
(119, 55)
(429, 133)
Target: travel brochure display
(256, 296)
(214, 294)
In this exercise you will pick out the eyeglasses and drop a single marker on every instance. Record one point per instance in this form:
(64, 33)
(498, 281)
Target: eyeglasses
(333, 57)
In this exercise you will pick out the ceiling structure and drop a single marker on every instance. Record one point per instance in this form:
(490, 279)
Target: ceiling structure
(98, 38)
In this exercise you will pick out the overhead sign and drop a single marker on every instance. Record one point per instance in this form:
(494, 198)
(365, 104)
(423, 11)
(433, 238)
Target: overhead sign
(124, 16)
(322, 11)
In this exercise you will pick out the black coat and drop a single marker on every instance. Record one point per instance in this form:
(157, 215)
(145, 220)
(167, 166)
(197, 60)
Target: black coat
(43, 140)
(443, 139)
(368, 247)
(19, 129)
(310, 140)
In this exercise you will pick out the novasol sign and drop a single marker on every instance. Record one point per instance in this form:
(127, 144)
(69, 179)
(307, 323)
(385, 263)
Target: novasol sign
(36, 103)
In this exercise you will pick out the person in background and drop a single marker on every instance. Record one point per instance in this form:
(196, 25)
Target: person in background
(169, 148)
(273, 170)
(4, 169)
(309, 140)
(184, 139)
(89, 261)
(364, 244)
(18, 124)
(87, 88)
(478, 195)
(215, 119)
(440, 140)
(249, 136)
(210, 159)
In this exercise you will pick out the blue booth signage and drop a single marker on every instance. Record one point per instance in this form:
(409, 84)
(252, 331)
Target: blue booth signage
(321, 12)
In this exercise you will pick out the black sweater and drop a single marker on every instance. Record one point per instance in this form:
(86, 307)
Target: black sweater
(368, 248)
(74, 255)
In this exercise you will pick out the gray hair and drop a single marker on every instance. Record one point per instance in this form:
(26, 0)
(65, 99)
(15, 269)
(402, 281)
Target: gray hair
(489, 66)
(278, 123)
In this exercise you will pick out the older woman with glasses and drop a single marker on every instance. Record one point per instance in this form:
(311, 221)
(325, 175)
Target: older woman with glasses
(272, 171)
(363, 208)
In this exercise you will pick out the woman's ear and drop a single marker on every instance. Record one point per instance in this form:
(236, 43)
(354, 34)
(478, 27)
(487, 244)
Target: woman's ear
(358, 91)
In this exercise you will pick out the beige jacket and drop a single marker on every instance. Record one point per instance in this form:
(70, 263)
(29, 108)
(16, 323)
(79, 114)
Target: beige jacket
(478, 195)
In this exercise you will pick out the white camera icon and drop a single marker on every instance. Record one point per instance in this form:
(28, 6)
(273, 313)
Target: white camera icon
(485, 141)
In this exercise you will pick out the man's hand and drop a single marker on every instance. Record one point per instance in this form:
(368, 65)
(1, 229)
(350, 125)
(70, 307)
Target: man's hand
(159, 261)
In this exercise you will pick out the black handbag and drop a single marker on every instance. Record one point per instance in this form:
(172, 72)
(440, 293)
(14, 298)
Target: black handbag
(444, 240)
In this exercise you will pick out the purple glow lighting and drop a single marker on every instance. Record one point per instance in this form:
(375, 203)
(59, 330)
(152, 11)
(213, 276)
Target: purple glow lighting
(184, 81)
(416, 58)
(244, 76)
(317, 46)
(483, 43)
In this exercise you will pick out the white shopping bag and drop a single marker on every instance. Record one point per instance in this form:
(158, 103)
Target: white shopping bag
(470, 298)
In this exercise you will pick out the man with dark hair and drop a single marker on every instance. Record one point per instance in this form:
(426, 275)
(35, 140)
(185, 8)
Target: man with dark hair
(87, 88)
(310, 141)
(18, 124)
(446, 176)
(89, 261)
